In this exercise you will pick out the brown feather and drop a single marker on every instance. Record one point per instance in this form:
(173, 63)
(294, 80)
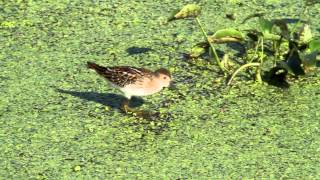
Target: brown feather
(120, 75)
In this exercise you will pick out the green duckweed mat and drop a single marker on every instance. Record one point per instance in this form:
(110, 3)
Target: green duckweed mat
(58, 120)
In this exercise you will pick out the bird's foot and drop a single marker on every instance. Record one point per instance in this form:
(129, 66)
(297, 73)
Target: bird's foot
(137, 113)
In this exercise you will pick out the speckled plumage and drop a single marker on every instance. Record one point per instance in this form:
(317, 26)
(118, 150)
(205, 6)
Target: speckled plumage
(134, 81)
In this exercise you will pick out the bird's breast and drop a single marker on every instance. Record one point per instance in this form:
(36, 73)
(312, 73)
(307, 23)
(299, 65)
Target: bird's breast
(143, 88)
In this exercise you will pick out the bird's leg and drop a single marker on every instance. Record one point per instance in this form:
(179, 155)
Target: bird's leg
(125, 106)
(127, 110)
(138, 113)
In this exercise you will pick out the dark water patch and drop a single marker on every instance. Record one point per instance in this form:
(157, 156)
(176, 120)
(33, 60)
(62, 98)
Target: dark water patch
(138, 50)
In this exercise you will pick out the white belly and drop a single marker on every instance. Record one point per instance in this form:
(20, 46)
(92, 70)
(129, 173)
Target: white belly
(132, 90)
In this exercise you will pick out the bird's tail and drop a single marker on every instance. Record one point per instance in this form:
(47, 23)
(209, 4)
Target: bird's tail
(99, 69)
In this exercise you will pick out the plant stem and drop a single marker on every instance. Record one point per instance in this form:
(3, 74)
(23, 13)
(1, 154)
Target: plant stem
(255, 51)
(258, 72)
(216, 57)
(276, 45)
(240, 69)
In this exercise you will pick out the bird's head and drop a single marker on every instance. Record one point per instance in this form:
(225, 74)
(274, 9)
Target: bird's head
(164, 77)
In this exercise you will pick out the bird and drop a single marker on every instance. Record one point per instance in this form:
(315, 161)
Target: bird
(133, 81)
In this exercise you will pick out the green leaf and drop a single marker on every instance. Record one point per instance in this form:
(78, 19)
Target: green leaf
(269, 36)
(266, 29)
(283, 26)
(265, 25)
(229, 32)
(226, 35)
(190, 10)
(314, 45)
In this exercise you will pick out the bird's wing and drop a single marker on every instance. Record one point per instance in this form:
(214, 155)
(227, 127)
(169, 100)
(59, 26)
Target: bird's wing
(125, 75)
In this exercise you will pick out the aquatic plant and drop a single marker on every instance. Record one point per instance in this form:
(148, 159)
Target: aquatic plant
(293, 49)
(288, 43)
(193, 11)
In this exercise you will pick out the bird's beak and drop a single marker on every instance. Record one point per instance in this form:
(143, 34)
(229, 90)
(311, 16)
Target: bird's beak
(172, 85)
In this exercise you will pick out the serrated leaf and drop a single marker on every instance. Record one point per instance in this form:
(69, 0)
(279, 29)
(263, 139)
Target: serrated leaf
(305, 34)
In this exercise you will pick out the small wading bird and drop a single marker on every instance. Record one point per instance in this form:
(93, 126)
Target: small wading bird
(133, 81)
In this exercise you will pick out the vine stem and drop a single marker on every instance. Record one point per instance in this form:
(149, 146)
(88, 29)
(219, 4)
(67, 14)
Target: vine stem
(240, 69)
(216, 57)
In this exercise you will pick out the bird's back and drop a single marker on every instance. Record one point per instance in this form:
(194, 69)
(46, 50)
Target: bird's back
(119, 75)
